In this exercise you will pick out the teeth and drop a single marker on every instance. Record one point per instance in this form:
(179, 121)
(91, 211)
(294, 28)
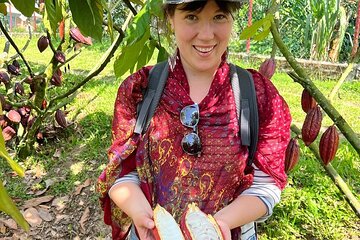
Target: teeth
(204, 49)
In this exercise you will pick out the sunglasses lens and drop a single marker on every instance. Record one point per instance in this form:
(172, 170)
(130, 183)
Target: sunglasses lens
(189, 115)
(191, 144)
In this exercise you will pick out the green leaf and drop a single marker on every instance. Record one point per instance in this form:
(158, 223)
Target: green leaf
(129, 56)
(3, 8)
(7, 206)
(252, 31)
(26, 7)
(162, 55)
(109, 20)
(139, 26)
(4, 154)
(53, 15)
(88, 16)
(146, 54)
(3, 1)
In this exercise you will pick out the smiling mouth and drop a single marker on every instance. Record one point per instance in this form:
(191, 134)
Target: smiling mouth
(204, 49)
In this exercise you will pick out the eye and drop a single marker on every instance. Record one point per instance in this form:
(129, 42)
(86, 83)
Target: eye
(191, 17)
(221, 18)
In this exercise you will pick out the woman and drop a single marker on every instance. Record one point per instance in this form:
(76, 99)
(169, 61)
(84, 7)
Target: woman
(156, 167)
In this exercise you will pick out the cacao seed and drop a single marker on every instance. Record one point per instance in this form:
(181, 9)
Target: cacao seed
(292, 154)
(311, 125)
(60, 118)
(329, 143)
(197, 225)
(307, 101)
(60, 56)
(78, 37)
(267, 68)
(42, 43)
(166, 227)
(4, 77)
(8, 133)
(14, 116)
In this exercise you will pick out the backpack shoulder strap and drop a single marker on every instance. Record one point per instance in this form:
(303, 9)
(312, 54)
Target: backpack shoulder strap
(151, 96)
(246, 107)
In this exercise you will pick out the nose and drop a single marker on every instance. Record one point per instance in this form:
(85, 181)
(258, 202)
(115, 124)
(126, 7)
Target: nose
(206, 31)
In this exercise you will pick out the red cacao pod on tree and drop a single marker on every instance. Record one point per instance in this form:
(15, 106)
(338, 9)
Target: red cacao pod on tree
(56, 79)
(292, 154)
(267, 68)
(166, 227)
(19, 89)
(311, 126)
(78, 37)
(14, 116)
(197, 225)
(4, 77)
(42, 43)
(60, 118)
(8, 133)
(13, 70)
(307, 101)
(60, 56)
(329, 143)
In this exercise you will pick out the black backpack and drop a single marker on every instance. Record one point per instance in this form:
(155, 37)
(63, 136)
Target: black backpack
(245, 99)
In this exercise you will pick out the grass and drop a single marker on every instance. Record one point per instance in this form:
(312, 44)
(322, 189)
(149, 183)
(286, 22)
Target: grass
(312, 207)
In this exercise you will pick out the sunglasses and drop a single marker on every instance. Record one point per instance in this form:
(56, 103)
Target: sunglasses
(189, 117)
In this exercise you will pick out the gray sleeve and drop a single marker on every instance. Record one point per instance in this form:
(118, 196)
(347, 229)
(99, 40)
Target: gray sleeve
(130, 177)
(265, 188)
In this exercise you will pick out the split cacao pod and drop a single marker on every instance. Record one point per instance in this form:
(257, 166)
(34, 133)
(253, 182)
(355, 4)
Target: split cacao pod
(197, 225)
(311, 125)
(307, 101)
(166, 227)
(292, 154)
(329, 143)
(267, 68)
(60, 118)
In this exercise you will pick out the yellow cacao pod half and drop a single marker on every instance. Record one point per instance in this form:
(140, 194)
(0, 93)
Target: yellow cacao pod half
(166, 227)
(292, 154)
(311, 126)
(329, 144)
(196, 225)
(307, 101)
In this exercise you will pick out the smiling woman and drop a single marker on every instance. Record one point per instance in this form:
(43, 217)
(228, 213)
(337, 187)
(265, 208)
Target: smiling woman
(192, 152)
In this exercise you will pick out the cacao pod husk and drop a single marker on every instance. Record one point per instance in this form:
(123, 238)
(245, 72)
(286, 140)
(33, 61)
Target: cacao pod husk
(60, 118)
(197, 225)
(329, 143)
(166, 227)
(60, 56)
(292, 154)
(78, 37)
(14, 116)
(4, 77)
(307, 101)
(8, 133)
(267, 68)
(42, 43)
(311, 125)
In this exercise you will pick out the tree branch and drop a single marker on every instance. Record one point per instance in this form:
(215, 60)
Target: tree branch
(8, 37)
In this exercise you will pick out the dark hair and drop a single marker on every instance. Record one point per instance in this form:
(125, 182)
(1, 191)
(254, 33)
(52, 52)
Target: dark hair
(225, 6)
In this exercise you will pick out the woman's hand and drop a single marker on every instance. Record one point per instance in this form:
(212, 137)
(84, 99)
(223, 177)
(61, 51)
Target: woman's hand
(224, 229)
(144, 225)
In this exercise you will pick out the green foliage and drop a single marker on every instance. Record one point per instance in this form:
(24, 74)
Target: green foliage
(26, 7)
(88, 16)
(52, 15)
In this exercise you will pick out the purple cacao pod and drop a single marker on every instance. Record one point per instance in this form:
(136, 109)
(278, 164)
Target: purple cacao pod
(4, 77)
(60, 56)
(267, 68)
(42, 43)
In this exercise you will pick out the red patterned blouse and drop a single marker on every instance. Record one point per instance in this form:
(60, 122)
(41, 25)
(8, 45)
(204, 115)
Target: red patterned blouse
(173, 178)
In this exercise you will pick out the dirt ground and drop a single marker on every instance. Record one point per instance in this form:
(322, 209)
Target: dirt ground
(75, 216)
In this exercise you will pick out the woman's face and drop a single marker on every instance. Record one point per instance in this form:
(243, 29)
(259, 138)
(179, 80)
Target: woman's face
(202, 37)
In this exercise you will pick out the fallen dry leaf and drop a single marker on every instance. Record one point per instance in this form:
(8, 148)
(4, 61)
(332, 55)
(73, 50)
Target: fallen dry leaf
(57, 153)
(84, 218)
(45, 215)
(60, 217)
(81, 186)
(36, 201)
(32, 217)
(10, 223)
(60, 203)
(39, 171)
